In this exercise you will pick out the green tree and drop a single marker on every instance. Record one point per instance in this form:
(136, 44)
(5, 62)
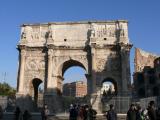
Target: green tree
(6, 90)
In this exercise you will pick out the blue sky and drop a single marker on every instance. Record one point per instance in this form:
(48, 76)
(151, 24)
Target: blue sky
(143, 17)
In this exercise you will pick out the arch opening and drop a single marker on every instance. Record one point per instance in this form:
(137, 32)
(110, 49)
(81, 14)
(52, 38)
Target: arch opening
(109, 87)
(74, 84)
(71, 63)
(108, 91)
(37, 91)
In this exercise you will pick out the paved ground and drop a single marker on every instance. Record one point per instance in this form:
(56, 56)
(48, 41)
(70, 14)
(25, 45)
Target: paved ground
(36, 116)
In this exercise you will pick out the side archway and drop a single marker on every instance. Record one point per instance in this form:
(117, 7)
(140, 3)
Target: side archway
(109, 85)
(36, 90)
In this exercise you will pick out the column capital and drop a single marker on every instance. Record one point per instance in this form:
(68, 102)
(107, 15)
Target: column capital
(23, 52)
(126, 47)
(88, 75)
(59, 77)
(50, 52)
(21, 47)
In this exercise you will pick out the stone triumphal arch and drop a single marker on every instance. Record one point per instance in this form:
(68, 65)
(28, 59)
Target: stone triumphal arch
(46, 50)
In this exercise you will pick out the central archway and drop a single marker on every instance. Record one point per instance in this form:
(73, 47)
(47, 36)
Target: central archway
(75, 90)
(65, 66)
(75, 82)
(71, 63)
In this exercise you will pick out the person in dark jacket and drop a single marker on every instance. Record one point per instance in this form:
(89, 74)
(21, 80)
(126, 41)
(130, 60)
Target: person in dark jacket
(131, 114)
(26, 115)
(139, 113)
(1, 113)
(17, 113)
(152, 111)
(45, 112)
(158, 113)
(86, 107)
(91, 113)
(111, 114)
(73, 113)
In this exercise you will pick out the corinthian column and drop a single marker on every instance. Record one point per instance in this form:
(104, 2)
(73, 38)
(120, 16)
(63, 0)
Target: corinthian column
(21, 71)
(93, 54)
(49, 74)
(125, 52)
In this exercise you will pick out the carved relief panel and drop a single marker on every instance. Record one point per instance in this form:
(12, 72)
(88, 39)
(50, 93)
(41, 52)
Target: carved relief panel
(103, 30)
(35, 68)
(101, 64)
(34, 34)
(108, 33)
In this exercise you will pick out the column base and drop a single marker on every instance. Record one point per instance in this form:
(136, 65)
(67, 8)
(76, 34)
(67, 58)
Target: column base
(121, 104)
(53, 102)
(25, 102)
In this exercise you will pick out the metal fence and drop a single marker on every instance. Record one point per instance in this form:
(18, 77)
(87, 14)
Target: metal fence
(121, 104)
(7, 103)
(144, 102)
(3, 102)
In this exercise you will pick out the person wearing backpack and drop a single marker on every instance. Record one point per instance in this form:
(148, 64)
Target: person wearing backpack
(111, 114)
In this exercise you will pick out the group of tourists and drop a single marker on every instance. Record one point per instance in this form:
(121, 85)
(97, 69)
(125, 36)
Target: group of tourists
(27, 116)
(137, 113)
(18, 115)
(84, 112)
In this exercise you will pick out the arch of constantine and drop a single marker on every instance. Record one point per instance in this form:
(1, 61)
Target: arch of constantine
(47, 50)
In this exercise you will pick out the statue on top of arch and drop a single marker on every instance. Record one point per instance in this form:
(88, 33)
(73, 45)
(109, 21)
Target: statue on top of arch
(49, 34)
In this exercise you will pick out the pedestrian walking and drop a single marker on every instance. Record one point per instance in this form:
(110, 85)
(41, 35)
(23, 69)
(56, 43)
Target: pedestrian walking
(26, 115)
(73, 113)
(131, 114)
(81, 113)
(45, 112)
(17, 114)
(111, 114)
(158, 113)
(91, 114)
(85, 112)
(145, 114)
(1, 113)
(139, 113)
(152, 111)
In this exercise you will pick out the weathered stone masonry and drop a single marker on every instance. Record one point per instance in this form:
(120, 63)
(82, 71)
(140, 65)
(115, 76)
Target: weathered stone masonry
(46, 50)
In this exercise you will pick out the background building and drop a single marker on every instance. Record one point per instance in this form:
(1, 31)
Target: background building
(147, 74)
(75, 89)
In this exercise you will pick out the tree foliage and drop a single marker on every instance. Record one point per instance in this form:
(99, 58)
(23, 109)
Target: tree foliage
(6, 90)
